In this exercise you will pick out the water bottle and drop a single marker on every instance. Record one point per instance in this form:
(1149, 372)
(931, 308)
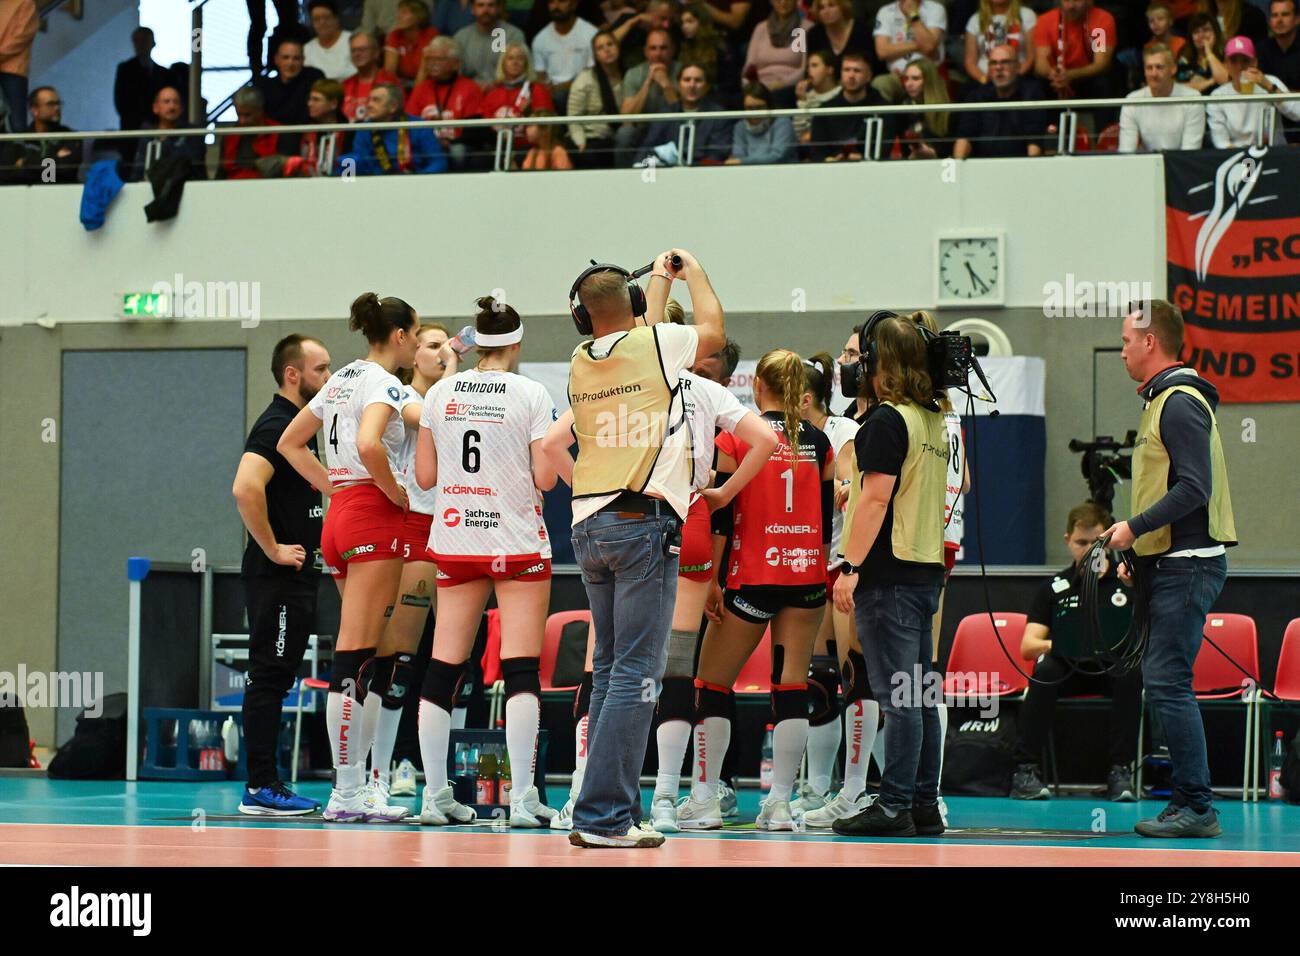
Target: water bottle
(1275, 768)
(503, 788)
(463, 340)
(765, 768)
(487, 776)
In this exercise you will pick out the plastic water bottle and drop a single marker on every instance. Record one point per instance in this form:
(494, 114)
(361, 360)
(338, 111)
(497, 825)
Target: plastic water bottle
(487, 776)
(1275, 768)
(463, 340)
(503, 788)
(765, 768)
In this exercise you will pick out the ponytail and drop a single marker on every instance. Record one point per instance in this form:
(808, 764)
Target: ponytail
(819, 379)
(782, 371)
(376, 318)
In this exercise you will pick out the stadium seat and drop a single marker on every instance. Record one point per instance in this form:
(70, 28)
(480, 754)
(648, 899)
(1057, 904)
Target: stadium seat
(1286, 690)
(975, 650)
(756, 676)
(551, 643)
(1108, 140)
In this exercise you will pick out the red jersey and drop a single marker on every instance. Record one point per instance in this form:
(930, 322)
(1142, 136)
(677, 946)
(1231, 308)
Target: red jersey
(410, 50)
(239, 154)
(778, 516)
(459, 99)
(521, 100)
(1074, 46)
(356, 91)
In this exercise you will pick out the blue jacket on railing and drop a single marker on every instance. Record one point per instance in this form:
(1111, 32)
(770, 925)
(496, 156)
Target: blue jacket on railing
(387, 152)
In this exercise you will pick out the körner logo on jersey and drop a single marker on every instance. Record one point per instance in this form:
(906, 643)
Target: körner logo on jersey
(1077, 298)
(75, 909)
(82, 690)
(211, 300)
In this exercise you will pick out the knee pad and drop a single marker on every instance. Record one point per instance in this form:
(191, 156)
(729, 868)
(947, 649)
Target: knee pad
(677, 700)
(681, 654)
(399, 681)
(582, 702)
(521, 676)
(855, 682)
(823, 692)
(351, 673)
(789, 702)
(441, 682)
(712, 700)
(778, 663)
(380, 670)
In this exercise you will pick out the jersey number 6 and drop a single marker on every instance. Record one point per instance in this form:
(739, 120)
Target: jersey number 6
(470, 458)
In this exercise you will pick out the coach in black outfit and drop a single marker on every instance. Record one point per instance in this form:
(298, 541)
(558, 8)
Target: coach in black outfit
(281, 569)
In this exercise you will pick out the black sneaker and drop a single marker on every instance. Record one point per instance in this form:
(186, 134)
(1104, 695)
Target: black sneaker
(928, 820)
(1181, 822)
(1027, 784)
(873, 821)
(1119, 785)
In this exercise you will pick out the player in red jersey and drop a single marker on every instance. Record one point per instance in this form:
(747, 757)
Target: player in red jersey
(777, 576)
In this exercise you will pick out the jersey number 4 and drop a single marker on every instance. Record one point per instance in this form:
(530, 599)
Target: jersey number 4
(334, 434)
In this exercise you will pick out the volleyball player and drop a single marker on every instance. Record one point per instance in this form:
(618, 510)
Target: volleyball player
(778, 577)
(480, 445)
(361, 542)
(393, 666)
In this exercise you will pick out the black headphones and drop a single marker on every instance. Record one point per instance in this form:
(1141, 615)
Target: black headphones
(867, 345)
(581, 317)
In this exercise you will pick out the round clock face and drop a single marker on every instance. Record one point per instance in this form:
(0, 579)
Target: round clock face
(968, 268)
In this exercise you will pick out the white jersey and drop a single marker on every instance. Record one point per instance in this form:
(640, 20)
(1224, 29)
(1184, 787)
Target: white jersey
(339, 406)
(708, 406)
(839, 431)
(487, 505)
(952, 512)
(418, 499)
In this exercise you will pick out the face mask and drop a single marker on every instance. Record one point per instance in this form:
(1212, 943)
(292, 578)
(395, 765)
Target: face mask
(758, 125)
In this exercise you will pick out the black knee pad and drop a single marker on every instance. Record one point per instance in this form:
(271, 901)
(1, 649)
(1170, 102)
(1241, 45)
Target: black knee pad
(712, 701)
(351, 673)
(778, 662)
(677, 700)
(789, 702)
(399, 681)
(823, 692)
(441, 682)
(855, 682)
(582, 702)
(521, 676)
(380, 670)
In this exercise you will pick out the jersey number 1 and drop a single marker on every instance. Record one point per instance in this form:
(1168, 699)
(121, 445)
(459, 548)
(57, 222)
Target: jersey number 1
(788, 475)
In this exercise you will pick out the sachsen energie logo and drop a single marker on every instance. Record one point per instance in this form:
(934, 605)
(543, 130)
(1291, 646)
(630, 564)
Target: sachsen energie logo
(451, 517)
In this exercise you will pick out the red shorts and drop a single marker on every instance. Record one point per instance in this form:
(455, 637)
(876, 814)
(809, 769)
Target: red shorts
(832, 576)
(453, 571)
(949, 558)
(361, 525)
(696, 560)
(415, 537)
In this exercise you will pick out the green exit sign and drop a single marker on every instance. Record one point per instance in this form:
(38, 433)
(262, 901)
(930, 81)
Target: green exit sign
(138, 304)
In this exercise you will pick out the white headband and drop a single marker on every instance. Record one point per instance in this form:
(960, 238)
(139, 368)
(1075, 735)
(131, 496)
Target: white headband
(496, 341)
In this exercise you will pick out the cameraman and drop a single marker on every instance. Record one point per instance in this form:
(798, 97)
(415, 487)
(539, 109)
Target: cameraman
(893, 572)
(1182, 526)
(1056, 611)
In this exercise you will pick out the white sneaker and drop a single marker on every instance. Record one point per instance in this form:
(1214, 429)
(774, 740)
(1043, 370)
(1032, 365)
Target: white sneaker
(359, 806)
(379, 787)
(808, 799)
(727, 801)
(528, 811)
(636, 837)
(842, 806)
(693, 814)
(440, 809)
(663, 815)
(943, 812)
(564, 819)
(404, 782)
(774, 814)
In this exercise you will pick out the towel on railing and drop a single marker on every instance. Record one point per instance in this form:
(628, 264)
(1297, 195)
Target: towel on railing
(102, 186)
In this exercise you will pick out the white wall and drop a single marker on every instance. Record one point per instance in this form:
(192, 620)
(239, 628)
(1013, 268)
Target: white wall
(851, 236)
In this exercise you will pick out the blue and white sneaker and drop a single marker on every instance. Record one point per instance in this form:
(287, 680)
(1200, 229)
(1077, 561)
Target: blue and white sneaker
(727, 802)
(277, 800)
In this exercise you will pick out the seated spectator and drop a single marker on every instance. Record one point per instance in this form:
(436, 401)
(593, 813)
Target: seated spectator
(356, 88)
(649, 87)
(1160, 21)
(633, 34)
(378, 17)
(517, 92)
(1002, 133)
(999, 23)
(1238, 18)
(479, 50)
(394, 151)
(702, 44)
(545, 150)
(1233, 125)
(320, 151)
(821, 85)
(27, 162)
(1150, 129)
(907, 30)
(1201, 64)
(285, 94)
(562, 49)
(444, 94)
(18, 24)
(844, 137)
(712, 137)
(168, 114)
(596, 91)
(762, 140)
(1075, 47)
(1279, 54)
(405, 43)
(774, 58)
(838, 30)
(259, 156)
(138, 81)
(452, 16)
(329, 51)
(1054, 619)
(924, 135)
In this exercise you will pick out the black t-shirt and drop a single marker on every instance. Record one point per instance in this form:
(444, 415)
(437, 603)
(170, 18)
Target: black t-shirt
(1004, 133)
(292, 505)
(881, 448)
(1060, 596)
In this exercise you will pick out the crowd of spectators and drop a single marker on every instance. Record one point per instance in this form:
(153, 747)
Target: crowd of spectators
(515, 60)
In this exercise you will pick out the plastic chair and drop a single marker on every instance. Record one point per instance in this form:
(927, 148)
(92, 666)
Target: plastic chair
(551, 644)
(1286, 687)
(977, 664)
(756, 676)
(1108, 140)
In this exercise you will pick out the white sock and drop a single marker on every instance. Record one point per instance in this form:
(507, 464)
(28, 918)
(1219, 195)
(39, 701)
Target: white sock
(579, 756)
(343, 722)
(823, 745)
(435, 737)
(523, 711)
(458, 718)
(878, 748)
(381, 751)
(789, 738)
(711, 744)
(943, 735)
(672, 736)
(860, 717)
(369, 723)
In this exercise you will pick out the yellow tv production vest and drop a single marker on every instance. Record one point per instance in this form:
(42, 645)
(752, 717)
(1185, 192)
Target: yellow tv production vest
(1151, 476)
(921, 497)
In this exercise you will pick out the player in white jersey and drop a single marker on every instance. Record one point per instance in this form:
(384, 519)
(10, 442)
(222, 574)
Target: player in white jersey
(360, 410)
(393, 666)
(480, 446)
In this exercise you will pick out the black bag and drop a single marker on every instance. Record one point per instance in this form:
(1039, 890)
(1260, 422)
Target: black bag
(571, 655)
(15, 739)
(97, 750)
(980, 754)
(1291, 770)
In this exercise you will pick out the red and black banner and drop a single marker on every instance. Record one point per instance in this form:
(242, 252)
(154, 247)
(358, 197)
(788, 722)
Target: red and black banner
(1232, 221)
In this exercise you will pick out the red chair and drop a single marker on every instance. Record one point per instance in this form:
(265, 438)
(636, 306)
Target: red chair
(756, 676)
(551, 644)
(977, 664)
(1108, 140)
(1286, 688)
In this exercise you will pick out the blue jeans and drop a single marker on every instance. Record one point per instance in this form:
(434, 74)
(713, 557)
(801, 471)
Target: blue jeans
(1180, 594)
(894, 627)
(632, 585)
